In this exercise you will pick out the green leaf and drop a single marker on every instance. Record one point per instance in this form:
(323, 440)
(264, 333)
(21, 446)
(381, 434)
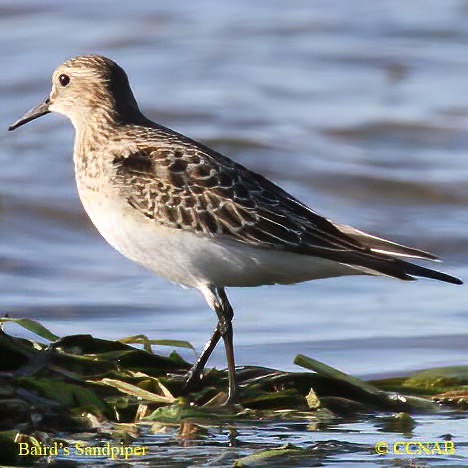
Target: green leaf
(332, 373)
(267, 457)
(10, 449)
(439, 378)
(175, 414)
(367, 392)
(32, 326)
(147, 343)
(66, 394)
(133, 390)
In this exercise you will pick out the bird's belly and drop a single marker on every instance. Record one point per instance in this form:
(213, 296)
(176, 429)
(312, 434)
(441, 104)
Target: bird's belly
(191, 260)
(140, 239)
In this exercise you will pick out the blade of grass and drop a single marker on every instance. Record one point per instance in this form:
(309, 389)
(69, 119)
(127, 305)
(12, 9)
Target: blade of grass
(267, 457)
(332, 373)
(133, 390)
(32, 326)
(371, 393)
(147, 343)
(155, 380)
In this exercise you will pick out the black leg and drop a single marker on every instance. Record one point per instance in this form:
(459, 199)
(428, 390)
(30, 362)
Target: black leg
(225, 316)
(218, 301)
(195, 373)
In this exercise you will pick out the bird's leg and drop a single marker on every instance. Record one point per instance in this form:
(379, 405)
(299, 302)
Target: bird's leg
(194, 374)
(225, 316)
(218, 301)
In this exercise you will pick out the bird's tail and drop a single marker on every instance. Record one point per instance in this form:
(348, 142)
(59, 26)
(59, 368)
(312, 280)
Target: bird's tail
(412, 271)
(372, 263)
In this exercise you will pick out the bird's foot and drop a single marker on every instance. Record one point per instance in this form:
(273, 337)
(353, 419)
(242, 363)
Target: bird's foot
(234, 399)
(192, 380)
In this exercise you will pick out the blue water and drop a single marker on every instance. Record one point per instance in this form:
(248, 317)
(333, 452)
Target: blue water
(358, 108)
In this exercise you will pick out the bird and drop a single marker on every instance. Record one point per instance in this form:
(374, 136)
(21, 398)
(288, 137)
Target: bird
(195, 217)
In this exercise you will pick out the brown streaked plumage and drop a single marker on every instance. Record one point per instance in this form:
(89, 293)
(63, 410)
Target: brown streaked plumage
(194, 216)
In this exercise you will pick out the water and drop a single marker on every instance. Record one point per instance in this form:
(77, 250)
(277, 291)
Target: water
(359, 109)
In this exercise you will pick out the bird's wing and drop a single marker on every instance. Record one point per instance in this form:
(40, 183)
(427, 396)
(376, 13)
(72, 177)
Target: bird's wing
(378, 244)
(189, 187)
(184, 189)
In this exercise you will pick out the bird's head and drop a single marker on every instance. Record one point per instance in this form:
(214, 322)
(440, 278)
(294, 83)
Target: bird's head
(89, 89)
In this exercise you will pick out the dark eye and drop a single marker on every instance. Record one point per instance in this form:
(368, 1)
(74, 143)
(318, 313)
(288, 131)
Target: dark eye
(64, 79)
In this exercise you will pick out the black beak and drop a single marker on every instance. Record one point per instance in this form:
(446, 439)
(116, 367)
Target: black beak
(34, 113)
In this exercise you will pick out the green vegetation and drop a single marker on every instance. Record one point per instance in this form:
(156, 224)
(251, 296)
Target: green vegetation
(80, 383)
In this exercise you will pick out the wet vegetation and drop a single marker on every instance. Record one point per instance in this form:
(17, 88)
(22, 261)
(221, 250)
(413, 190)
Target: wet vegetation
(80, 388)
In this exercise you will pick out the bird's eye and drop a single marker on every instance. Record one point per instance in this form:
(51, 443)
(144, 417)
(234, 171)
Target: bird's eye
(64, 79)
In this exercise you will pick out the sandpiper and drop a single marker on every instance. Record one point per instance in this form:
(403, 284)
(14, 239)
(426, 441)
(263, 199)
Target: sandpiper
(193, 216)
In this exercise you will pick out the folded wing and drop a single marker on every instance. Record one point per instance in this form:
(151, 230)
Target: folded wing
(197, 189)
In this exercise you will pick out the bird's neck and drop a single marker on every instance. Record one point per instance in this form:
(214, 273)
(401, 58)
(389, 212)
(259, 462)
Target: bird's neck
(99, 134)
(96, 128)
